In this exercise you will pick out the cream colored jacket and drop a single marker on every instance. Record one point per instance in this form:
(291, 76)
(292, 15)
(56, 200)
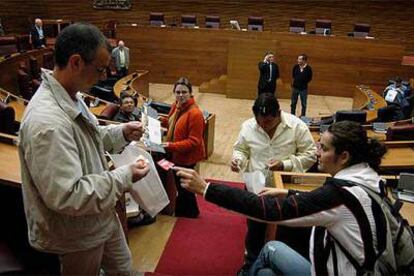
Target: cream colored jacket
(69, 194)
(292, 143)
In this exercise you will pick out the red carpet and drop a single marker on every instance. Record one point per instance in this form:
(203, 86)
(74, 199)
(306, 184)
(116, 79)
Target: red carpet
(212, 244)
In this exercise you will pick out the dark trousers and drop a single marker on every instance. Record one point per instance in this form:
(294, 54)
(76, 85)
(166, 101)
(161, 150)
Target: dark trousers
(295, 237)
(186, 202)
(122, 72)
(254, 240)
(269, 87)
(303, 100)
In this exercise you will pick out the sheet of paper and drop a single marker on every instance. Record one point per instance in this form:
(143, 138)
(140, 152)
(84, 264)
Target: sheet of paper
(148, 192)
(390, 97)
(255, 181)
(154, 130)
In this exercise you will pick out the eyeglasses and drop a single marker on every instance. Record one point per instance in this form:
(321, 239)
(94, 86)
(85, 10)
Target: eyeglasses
(101, 69)
(182, 93)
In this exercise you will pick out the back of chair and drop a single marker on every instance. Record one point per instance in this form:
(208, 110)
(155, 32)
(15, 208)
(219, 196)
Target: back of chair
(212, 21)
(109, 111)
(359, 116)
(24, 82)
(8, 45)
(34, 68)
(297, 25)
(48, 61)
(156, 18)
(400, 132)
(188, 20)
(255, 23)
(7, 116)
(361, 29)
(323, 26)
(23, 43)
(162, 108)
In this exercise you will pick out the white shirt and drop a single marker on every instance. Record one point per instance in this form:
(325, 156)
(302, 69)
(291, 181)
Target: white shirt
(122, 57)
(292, 143)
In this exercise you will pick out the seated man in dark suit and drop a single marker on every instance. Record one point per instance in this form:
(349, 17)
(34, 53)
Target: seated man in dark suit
(37, 36)
(128, 110)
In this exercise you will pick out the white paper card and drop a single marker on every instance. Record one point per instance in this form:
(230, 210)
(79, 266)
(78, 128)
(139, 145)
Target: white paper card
(148, 192)
(154, 130)
(391, 94)
(255, 181)
(132, 208)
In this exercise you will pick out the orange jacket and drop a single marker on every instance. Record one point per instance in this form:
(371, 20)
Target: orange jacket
(188, 145)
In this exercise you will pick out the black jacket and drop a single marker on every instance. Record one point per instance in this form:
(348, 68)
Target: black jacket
(36, 41)
(301, 79)
(264, 85)
(326, 208)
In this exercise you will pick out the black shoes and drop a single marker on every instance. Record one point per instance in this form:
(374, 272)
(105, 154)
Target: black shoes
(141, 219)
(244, 270)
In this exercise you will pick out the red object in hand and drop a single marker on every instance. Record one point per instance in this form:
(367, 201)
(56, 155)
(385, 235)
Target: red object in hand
(165, 164)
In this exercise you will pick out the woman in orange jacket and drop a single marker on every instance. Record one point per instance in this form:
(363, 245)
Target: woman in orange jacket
(185, 141)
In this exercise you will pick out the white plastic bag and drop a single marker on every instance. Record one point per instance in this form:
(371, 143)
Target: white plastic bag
(148, 192)
(255, 181)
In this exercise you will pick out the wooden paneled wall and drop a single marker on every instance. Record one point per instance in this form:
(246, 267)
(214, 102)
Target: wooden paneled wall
(389, 19)
(339, 63)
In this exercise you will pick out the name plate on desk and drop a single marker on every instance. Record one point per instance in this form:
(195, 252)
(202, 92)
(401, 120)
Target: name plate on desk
(310, 180)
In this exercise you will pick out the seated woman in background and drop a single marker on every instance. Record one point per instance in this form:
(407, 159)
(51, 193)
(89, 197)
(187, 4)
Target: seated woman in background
(350, 157)
(185, 142)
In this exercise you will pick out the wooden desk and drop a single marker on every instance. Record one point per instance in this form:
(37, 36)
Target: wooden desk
(136, 82)
(367, 99)
(9, 165)
(400, 154)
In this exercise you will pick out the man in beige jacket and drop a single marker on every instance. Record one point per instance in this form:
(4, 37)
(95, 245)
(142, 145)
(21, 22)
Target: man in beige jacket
(69, 193)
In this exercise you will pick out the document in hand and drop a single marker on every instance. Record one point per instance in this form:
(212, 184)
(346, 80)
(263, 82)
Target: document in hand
(148, 192)
(154, 130)
(255, 181)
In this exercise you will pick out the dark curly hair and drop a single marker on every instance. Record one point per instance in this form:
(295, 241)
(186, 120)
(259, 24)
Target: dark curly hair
(266, 104)
(351, 137)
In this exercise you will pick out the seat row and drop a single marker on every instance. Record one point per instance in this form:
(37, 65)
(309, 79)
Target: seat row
(256, 23)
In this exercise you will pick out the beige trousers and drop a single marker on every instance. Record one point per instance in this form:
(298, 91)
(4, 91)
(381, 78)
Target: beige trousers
(113, 256)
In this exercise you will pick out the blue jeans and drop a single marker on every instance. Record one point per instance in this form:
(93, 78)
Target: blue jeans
(277, 258)
(303, 100)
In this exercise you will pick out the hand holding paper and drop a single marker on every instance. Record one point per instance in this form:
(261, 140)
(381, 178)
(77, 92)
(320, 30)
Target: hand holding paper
(275, 165)
(148, 191)
(139, 169)
(132, 131)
